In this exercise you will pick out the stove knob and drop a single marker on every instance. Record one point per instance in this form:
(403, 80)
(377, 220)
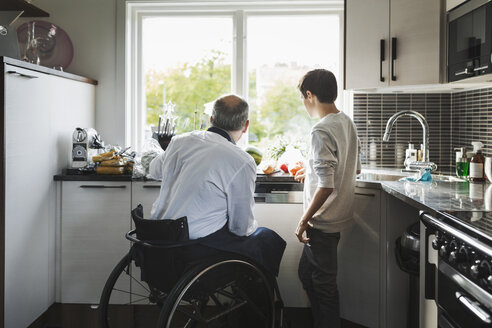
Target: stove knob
(438, 241)
(443, 250)
(447, 247)
(436, 244)
(456, 257)
(480, 270)
(475, 270)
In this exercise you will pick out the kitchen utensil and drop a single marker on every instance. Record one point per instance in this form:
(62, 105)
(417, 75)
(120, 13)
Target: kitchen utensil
(49, 42)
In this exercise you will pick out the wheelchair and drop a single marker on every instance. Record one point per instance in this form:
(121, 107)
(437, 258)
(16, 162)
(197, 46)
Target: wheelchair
(167, 280)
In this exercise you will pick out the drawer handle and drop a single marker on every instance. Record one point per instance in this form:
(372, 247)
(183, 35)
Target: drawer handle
(473, 307)
(21, 75)
(481, 68)
(367, 195)
(102, 186)
(152, 186)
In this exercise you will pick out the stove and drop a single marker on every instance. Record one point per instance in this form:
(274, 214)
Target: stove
(461, 284)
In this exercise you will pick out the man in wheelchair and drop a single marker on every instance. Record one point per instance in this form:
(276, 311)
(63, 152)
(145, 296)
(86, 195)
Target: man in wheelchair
(204, 262)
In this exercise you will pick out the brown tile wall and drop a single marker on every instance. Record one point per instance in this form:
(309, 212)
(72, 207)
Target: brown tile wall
(372, 111)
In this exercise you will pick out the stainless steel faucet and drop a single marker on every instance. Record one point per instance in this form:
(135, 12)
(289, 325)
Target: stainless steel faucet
(425, 127)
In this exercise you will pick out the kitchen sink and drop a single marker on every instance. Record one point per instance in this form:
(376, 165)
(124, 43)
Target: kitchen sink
(369, 176)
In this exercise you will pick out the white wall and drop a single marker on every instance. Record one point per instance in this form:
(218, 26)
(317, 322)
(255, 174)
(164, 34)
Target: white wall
(91, 25)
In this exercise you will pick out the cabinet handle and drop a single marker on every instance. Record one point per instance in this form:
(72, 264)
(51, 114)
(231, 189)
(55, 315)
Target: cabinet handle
(152, 186)
(103, 186)
(475, 309)
(393, 58)
(21, 75)
(367, 195)
(381, 59)
(481, 68)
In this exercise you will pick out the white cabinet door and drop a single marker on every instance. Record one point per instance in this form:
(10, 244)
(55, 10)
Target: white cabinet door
(27, 190)
(283, 219)
(359, 261)
(145, 193)
(417, 27)
(40, 113)
(367, 23)
(95, 216)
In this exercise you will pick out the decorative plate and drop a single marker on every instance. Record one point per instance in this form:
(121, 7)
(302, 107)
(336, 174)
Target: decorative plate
(51, 46)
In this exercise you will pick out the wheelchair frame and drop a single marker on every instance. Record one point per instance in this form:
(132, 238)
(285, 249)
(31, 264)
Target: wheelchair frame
(233, 298)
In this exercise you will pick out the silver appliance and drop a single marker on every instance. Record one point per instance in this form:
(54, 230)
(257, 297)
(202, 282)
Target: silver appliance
(83, 140)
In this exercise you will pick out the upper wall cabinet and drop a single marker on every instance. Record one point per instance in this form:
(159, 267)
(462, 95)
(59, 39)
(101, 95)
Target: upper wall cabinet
(394, 43)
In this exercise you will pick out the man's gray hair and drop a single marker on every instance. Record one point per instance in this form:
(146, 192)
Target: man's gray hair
(230, 113)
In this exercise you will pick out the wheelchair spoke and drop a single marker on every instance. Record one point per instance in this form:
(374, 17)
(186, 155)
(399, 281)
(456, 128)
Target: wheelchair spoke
(131, 293)
(139, 300)
(122, 291)
(138, 282)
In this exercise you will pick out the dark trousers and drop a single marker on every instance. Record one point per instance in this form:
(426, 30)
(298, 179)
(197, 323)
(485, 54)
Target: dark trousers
(318, 274)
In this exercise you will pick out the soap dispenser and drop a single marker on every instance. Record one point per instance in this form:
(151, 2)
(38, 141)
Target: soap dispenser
(462, 164)
(410, 155)
(477, 163)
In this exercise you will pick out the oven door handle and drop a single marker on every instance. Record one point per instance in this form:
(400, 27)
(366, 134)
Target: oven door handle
(474, 308)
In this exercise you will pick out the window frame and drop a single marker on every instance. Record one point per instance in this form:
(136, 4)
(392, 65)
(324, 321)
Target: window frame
(239, 11)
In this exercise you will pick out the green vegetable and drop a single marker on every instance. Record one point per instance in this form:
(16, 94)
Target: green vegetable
(255, 153)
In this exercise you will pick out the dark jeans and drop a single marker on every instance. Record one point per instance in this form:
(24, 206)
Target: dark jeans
(318, 274)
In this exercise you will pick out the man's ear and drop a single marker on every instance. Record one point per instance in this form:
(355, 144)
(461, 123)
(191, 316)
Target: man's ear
(246, 126)
(210, 120)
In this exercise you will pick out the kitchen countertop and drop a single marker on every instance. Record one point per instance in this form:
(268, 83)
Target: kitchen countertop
(434, 196)
(442, 195)
(276, 177)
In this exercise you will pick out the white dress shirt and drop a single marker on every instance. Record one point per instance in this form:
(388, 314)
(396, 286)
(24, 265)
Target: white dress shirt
(208, 179)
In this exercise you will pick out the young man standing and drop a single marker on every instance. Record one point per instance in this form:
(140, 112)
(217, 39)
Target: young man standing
(329, 183)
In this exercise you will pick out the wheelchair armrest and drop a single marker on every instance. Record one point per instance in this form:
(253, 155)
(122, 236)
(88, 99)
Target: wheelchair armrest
(157, 243)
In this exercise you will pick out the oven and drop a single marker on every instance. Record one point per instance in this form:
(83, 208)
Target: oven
(470, 40)
(462, 282)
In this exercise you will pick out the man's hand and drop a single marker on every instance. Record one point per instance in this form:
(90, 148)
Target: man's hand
(300, 175)
(301, 228)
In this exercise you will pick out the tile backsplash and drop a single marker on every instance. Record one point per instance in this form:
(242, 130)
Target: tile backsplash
(455, 120)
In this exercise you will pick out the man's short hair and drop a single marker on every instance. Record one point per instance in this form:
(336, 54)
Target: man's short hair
(230, 113)
(322, 83)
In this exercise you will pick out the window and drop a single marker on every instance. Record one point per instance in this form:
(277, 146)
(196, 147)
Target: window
(191, 53)
(187, 61)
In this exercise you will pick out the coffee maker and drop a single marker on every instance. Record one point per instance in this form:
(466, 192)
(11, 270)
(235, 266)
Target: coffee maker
(83, 141)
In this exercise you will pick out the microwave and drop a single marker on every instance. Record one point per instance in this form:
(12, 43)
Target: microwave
(470, 40)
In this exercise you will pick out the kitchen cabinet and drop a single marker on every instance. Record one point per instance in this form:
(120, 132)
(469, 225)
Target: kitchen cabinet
(359, 261)
(40, 109)
(95, 215)
(283, 219)
(145, 193)
(394, 43)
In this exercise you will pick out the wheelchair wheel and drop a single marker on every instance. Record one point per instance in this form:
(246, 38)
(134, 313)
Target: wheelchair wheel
(224, 293)
(119, 302)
